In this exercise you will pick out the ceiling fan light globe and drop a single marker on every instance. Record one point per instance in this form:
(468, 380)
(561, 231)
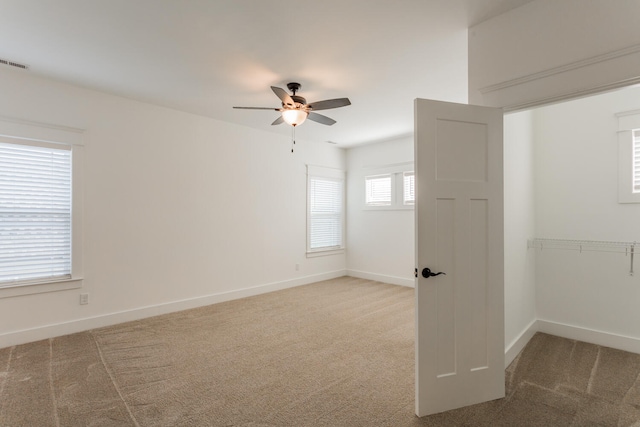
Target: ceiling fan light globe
(294, 117)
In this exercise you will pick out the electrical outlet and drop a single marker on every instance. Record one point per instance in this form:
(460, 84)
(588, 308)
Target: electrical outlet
(84, 299)
(297, 267)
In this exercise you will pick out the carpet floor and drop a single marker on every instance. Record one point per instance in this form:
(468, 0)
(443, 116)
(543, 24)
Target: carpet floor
(334, 353)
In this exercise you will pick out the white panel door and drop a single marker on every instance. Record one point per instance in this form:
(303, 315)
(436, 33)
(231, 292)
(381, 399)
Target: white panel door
(459, 229)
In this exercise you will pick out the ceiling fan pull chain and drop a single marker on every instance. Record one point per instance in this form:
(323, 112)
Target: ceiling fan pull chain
(293, 137)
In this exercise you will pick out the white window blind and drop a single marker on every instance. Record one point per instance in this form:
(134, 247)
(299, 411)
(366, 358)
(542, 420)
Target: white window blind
(35, 213)
(409, 188)
(325, 212)
(636, 161)
(378, 190)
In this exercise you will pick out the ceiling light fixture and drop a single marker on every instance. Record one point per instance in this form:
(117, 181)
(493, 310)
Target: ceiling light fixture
(295, 109)
(294, 117)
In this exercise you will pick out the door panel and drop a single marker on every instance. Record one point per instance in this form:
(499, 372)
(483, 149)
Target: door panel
(461, 151)
(459, 229)
(478, 260)
(445, 289)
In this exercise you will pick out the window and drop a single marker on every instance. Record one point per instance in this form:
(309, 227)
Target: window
(35, 213)
(629, 156)
(325, 210)
(409, 188)
(636, 161)
(391, 187)
(378, 190)
(40, 208)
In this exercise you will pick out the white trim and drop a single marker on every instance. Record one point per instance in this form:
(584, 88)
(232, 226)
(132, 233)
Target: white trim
(388, 168)
(561, 69)
(515, 347)
(49, 331)
(570, 95)
(395, 207)
(606, 339)
(592, 336)
(325, 172)
(598, 74)
(626, 114)
(325, 252)
(39, 131)
(22, 288)
(393, 280)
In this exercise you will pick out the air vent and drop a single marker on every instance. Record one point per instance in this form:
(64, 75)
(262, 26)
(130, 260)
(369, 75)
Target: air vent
(14, 64)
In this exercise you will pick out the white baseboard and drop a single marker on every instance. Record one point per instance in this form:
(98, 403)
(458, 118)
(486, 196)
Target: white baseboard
(49, 331)
(577, 333)
(605, 339)
(516, 346)
(393, 280)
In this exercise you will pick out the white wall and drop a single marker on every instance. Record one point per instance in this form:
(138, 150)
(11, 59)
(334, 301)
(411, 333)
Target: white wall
(519, 226)
(551, 48)
(180, 210)
(577, 198)
(380, 242)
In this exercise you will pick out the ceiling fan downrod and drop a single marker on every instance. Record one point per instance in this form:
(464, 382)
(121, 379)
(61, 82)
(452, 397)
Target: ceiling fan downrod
(294, 87)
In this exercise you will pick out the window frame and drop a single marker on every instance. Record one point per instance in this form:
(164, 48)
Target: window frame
(397, 172)
(411, 202)
(333, 175)
(628, 122)
(378, 177)
(23, 132)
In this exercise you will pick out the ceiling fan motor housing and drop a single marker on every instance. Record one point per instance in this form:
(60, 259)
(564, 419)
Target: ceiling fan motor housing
(299, 100)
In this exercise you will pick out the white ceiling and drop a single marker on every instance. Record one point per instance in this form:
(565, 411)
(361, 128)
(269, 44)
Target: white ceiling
(205, 56)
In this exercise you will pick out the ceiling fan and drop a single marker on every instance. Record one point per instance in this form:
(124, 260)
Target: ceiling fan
(295, 109)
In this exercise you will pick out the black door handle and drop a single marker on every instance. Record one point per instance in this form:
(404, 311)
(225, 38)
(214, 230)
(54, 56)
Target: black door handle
(426, 273)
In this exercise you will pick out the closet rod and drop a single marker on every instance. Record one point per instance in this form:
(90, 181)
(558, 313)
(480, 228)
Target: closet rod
(627, 248)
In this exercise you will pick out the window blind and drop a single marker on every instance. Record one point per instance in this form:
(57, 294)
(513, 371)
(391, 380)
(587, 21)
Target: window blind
(378, 190)
(35, 213)
(325, 213)
(409, 188)
(636, 161)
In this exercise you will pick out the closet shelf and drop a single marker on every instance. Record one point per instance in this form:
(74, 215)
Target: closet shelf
(581, 245)
(627, 248)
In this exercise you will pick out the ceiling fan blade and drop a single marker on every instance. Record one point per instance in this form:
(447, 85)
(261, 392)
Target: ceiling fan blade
(329, 103)
(283, 95)
(277, 121)
(321, 119)
(257, 108)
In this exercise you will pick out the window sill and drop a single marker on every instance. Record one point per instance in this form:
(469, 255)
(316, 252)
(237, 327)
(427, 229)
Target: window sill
(325, 253)
(628, 197)
(389, 208)
(40, 287)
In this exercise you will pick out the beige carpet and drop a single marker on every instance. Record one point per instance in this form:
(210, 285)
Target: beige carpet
(335, 353)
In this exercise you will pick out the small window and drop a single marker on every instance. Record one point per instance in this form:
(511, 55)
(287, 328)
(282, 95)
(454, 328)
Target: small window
(629, 156)
(325, 210)
(409, 188)
(378, 190)
(391, 188)
(636, 161)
